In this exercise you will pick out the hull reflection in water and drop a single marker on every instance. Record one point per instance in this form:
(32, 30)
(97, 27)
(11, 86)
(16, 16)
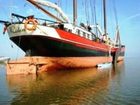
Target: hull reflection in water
(66, 87)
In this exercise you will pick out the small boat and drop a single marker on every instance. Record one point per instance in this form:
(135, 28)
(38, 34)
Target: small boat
(104, 66)
(67, 43)
(3, 59)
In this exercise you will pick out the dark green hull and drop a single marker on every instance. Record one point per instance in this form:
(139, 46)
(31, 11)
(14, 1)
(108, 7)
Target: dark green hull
(47, 46)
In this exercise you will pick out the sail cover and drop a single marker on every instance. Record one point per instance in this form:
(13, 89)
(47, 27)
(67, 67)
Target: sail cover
(54, 6)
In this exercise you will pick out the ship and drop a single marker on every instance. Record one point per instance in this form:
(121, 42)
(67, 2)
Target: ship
(67, 43)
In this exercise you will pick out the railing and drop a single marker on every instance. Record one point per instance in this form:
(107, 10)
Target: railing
(20, 19)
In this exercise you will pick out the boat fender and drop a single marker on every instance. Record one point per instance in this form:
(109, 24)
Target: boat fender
(30, 21)
(4, 29)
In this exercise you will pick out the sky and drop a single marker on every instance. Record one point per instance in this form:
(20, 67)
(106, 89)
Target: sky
(128, 14)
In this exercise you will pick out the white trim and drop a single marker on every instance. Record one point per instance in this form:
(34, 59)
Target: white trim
(19, 30)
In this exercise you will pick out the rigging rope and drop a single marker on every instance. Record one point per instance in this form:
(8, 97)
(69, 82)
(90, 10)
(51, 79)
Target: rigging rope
(92, 12)
(115, 12)
(102, 15)
(87, 12)
(117, 37)
(83, 8)
(95, 18)
(58, 3)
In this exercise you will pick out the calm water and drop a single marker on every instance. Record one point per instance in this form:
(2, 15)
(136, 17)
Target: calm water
(107, 86)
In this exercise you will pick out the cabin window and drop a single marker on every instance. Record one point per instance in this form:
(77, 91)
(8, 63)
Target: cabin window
(88, 36)
(93, 37)
(78, 32)
(70, 30)
(84, 34)
(61, 26)
(65, 29)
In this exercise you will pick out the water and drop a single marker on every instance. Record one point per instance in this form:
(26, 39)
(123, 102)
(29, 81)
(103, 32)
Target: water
(102, 86)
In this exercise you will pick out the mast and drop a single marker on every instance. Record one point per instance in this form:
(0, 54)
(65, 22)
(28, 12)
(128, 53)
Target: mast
(105, 20)
(46, 12)
(75, 12)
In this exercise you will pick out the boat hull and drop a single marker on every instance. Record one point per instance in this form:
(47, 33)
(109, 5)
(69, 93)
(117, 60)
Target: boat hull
(36, 64)
(62, 54)
(74, 50)
(52, 47)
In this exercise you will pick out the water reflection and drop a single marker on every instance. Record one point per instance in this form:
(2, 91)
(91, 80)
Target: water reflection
(65, 87)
